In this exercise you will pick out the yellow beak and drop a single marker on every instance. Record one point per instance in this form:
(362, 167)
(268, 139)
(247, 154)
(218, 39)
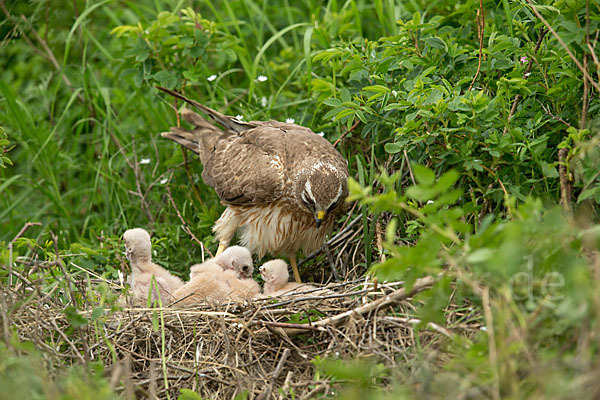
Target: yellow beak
(319, 217)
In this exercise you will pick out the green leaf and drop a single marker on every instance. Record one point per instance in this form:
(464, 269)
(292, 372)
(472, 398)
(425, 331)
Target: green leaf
(74, 318)
(376, 89)
(480, 255)
(393, 148)
(447, 180)
(549, 170)
(333, 102)
(187, 394)
(588, 193)
(166, 78)
(423, 174)
(436, 43)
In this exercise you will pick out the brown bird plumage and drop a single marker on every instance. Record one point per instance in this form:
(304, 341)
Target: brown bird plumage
(283, 185)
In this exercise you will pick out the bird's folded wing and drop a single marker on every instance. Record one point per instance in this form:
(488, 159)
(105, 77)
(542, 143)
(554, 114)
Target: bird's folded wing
(244, 170)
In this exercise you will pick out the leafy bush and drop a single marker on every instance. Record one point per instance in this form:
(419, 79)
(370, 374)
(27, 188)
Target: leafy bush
(463, 130)
(534, 276)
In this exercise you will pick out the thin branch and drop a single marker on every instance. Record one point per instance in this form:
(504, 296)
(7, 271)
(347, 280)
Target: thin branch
(67, 277)
(10, 247)
(566, 187)
(184, 224)
(489, 322)
(137, 175)
(276, 374)
(480, 30)
(513, 108)
(554, 117)
(345, 133)
(564, 46)
(379, 304)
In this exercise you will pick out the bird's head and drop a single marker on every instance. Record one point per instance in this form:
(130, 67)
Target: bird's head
(275, 272)
(137, 245)
(237, 258)
(321, 189)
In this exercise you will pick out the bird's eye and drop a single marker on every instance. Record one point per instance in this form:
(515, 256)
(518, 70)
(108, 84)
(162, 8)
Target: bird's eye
(333, 206)
(308, 202)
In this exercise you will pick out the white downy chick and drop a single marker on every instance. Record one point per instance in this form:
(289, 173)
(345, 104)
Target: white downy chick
(236, 258)
(243, 289)
(207, 283)
(276, 276)
(138, 249)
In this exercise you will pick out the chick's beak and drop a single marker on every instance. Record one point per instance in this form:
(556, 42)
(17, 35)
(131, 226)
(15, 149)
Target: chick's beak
(319, 217)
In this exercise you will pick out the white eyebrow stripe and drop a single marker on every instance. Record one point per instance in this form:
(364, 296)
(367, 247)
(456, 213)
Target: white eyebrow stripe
(337, 197)
(308, 189)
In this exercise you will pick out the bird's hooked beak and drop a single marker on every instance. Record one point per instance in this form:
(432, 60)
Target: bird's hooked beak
(319, 217)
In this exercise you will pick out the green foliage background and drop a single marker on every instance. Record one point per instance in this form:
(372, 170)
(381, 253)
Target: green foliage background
(456, 151)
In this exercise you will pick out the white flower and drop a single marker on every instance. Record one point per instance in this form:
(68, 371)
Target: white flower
(163, 181)
(429, 201)
(263, 101)
(290, 120)
(145, 161)
(394, 93)
(121, 278)
(483, 328)
(239, 117)
(261, 78)
(321, 134)
(527, 74)
(211, 78)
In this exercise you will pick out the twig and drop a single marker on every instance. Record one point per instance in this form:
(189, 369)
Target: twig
(412, 177)
(554, 117)
(565, 184)
(331, 241)
(276, 374)
(189, 175)
(343, 135)
(334, 271)
(288, 325)
(379, 304)
(47, 53)
(67, 277)
(586, 86)
(480, 30)
(379, 239)
(564, 46)
(10, 247)
(136, 174)
(185, 225)
(489, 322)
(513, 108)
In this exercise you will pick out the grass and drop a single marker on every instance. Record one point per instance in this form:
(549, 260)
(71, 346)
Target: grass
(390, 80)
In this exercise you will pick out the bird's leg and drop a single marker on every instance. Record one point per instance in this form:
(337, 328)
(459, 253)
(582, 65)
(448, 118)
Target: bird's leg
(294, 265)
(225, 228)
(222, 247)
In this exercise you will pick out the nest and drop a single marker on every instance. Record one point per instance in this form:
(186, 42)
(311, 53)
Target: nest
(264, 347)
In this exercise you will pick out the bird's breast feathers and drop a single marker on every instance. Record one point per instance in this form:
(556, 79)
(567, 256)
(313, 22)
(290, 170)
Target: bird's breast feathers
(274, 228)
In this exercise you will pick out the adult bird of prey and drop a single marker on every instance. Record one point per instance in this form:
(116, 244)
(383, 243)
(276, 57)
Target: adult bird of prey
(283, 184)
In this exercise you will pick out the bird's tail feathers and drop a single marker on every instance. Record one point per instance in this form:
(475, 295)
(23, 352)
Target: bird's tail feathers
(224, 120)
(184, 138)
